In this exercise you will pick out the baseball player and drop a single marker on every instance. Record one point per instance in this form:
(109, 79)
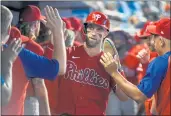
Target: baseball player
(8, 56)
(85, 87)
(156, 80)
(144, 38)
(29, 25)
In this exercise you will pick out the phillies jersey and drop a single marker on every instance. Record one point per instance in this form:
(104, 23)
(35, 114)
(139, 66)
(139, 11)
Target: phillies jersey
(85, 87)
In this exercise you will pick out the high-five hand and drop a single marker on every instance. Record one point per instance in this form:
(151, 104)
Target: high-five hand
(10, 53)
(110, 64)
(53, 20)
(57, 26)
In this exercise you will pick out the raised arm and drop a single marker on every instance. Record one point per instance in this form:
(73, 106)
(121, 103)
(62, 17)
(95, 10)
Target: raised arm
(9, 55)
(57, 26)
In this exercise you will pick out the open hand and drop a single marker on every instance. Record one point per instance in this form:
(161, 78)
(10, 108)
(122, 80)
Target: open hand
(53, 20)
(110, 64)
(10, 53)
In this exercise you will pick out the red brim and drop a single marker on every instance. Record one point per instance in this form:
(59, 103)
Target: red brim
(42, 17)
(152, 29)
(24, 38)
(144, 35)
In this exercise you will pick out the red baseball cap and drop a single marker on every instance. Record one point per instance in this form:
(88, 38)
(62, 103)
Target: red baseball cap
(15, 33)
(161, 27)
(68, 23)
(76, 23)
(99, 19)
(144, 32)
(31, 13)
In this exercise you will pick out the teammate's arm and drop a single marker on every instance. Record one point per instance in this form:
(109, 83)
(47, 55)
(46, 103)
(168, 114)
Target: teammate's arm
(120, 94)
(6, 84)
(9, 55)
(57, 26)
(147, 87)
(42, 96)
(38, 66)
(153, 109)
(130, 90)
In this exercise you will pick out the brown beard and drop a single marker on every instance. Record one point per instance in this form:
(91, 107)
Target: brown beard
(90, 45)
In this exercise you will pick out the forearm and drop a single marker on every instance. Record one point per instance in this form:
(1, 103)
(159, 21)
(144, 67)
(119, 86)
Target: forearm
(60, 51)
(128, 88)
(153, 109)
(43, 105)
(7, 86)
(120, 94)
(42, 95)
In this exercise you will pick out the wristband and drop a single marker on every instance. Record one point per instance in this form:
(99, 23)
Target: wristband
(2, 81)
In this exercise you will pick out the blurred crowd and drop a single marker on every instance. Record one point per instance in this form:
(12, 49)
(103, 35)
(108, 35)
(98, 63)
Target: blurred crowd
(128, 24)
(132, 13)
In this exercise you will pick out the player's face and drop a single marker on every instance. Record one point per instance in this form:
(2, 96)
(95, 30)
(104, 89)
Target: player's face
(155, 42)
(146, 40)
(95, 35)
(37, 28)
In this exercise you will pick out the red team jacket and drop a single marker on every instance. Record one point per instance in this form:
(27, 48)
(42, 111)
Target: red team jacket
(85, 87)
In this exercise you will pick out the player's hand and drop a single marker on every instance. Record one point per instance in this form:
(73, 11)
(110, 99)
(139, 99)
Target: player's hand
(110, 64)
(53, 20)
(144, 55)
(10, 53)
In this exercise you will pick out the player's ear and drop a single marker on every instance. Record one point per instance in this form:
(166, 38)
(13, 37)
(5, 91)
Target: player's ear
(162, 42)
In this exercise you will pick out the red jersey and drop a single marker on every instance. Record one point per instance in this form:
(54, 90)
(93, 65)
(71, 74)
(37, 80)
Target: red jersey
(76, 43)
(20, 84)
(85, 87)
(48, 50)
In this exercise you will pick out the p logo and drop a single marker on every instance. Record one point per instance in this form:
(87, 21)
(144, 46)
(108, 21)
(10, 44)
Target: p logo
(96, 16)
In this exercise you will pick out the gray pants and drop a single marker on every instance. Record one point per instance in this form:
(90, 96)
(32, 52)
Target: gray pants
(31, 106)
(117, 107)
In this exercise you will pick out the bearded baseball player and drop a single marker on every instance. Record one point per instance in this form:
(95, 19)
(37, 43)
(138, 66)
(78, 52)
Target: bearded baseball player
(85, 87)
